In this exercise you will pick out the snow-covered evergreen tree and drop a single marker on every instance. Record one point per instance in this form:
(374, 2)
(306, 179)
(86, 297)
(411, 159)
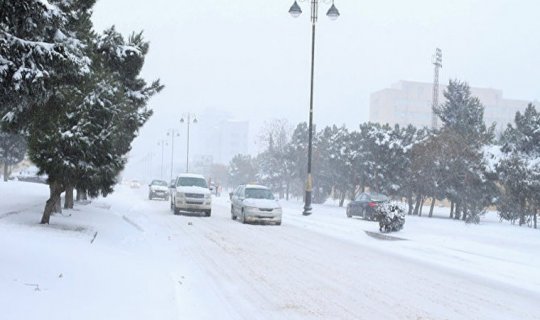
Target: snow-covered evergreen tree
(243, 169)
(464, 134)
(519, 168)
(38, 52)
(84, 145)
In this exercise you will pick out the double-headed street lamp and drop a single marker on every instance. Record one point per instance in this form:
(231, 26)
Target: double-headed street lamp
(172, 133)
(188, 118)
(333, 14)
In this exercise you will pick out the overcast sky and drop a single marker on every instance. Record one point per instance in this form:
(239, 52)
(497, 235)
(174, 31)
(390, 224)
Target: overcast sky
(250, 58)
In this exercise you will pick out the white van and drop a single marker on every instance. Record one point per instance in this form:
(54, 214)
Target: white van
(191, 194)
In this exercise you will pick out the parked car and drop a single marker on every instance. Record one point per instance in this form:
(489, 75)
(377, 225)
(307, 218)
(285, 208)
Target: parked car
(253, 203)
(365, 205)
(191, 194)
(158, 189)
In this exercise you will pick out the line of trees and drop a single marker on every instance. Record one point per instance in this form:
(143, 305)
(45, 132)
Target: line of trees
(462, 162)
(74, 94)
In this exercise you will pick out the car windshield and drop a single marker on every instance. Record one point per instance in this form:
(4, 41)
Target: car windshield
(191, 182)
(256, 193)
(159, 183)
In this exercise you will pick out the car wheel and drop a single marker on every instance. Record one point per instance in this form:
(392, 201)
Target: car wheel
(364, 214)
(150, 196)
(208, 213)
(233, 216)
(176, 211)
(243, 217)
(278, 223)
(348, 214)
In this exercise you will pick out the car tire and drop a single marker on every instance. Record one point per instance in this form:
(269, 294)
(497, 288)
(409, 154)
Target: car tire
(176, 211)
(233, 216)
(243, 217)
(348, 214)
(208, 213)
(278, 223)
(150, 196)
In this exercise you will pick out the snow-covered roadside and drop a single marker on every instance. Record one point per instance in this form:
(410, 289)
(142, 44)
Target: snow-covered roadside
(495, 251)
(62, 272)
(17, 196)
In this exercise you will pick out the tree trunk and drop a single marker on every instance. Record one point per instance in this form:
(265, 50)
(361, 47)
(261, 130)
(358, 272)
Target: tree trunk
(6, 171)
(421, 206)
(417, 205)
(457, 212)
(288, 190)
(465, 213)
(342, 199)
(55, 192)
(58, 204)
(452, 207)
(431, 208)
(535, 213)
(68, 202)
(411, 204)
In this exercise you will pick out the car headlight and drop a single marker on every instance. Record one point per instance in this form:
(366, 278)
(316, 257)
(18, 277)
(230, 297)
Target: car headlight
(180, 195)
(248, 208)
(207, 196)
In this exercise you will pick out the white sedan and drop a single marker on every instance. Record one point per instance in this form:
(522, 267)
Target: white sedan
(254, 203)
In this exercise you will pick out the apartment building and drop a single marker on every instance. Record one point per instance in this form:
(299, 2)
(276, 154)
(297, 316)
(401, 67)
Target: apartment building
(409, 102)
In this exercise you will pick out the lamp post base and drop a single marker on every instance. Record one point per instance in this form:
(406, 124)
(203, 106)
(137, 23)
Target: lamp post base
(307, 205)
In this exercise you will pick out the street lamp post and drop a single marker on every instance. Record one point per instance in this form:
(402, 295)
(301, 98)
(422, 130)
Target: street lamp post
(188, 118)
(162, 143)
(172, 133)
(333, 14)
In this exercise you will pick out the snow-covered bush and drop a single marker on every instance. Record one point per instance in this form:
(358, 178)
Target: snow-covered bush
(391, 216)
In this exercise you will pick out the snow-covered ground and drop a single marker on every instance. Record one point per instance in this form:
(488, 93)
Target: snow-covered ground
(125, 257)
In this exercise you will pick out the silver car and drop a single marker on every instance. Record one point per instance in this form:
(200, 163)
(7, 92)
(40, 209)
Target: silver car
(253, 203)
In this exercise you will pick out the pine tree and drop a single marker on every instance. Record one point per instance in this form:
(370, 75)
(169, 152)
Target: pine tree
(84, 145)
(38, 52)
(243, 169)
(519, 168)
(464, 134)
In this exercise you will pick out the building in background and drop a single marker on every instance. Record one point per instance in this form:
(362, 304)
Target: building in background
(409, 102)
(220, 137)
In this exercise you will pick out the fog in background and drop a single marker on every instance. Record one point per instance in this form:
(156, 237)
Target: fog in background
(249, 60)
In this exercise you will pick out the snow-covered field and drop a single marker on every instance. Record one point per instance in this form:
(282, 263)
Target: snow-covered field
(125, 257)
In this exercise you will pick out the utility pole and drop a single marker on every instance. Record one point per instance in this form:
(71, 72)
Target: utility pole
(188, 118)
(437, 62)
(172, 133)
(162, 143)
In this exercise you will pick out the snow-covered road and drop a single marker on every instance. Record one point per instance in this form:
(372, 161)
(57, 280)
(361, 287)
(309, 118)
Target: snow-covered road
(298, 272)
(190, 267)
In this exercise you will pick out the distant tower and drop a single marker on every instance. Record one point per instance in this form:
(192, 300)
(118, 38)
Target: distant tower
(437, 62)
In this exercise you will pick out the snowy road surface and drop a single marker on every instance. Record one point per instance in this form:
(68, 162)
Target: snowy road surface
(190, 267)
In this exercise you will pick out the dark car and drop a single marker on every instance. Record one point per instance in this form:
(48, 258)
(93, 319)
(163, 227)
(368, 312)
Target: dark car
(365, 205)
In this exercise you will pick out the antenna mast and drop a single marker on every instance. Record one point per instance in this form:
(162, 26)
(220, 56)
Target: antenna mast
(437, 62)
